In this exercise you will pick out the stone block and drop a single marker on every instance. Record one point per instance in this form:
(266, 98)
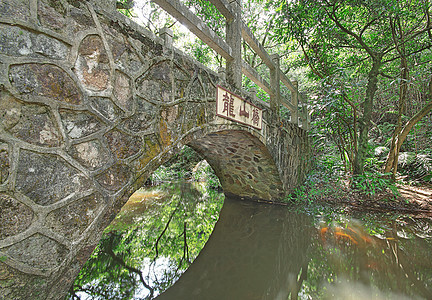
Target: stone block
(44, 80)
(123, 91)
(16, 41)
(37, 251)
(15, 9)
(92, 65)
(115, 177)
(46, 178)
(196, 91)
(143, 117)
(91, 154)
(73, 219)
(156, 84)
(78, 124)
(52, 14)
(18, 285)
(36, 126)
(80, 19)
(106, 108)
(15, 217)
(122, 145)
(125, 56)
(4, 162)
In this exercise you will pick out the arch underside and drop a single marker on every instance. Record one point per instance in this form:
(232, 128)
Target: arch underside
(242, 163)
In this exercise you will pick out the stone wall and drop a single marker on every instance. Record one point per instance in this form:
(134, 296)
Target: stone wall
(90, 105)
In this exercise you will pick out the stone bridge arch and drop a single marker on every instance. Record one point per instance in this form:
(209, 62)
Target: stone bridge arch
(242, 163)
(90, 105)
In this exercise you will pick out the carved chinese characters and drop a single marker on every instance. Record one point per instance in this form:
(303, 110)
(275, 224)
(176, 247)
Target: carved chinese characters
(232, 107)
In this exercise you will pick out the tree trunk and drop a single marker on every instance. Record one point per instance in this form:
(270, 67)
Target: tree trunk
(391, 161)
(365, 121)
(399, 41)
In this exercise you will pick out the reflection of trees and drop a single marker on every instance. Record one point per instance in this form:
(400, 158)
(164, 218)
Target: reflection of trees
(145, 250)
(394, 260)
(118, 260)
(255, 252)
(403, 258)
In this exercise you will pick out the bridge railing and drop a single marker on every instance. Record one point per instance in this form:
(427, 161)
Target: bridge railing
(230, 50)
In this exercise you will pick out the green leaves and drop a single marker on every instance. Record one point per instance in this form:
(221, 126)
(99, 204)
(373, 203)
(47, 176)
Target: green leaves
(371, 183)
(151, 242)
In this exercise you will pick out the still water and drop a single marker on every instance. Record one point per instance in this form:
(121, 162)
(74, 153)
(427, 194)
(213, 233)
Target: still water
(185, 241)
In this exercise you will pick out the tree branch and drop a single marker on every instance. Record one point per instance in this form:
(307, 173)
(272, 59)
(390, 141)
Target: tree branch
(163, 232)
(366, 26)
(359, 39)
(121, 262)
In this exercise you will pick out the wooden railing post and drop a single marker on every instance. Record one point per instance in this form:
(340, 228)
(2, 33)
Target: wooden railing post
(305, 112)
(234, 40)
(231, 51)
(275, 100)
(294, 100)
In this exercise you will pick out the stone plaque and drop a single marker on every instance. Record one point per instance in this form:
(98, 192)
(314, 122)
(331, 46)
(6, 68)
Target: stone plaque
(235, 108)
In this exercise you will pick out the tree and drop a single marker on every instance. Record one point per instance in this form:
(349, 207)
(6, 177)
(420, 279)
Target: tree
(354, 37)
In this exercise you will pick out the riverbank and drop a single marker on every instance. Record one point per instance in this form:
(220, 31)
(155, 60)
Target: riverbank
(411, 199)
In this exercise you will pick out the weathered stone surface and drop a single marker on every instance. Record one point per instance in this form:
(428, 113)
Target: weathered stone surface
(44, 80)
(30, 123)
(79, 17)
(171, 114)
(123, 91)
(79, 124)
(123, 145)
(143, 118)
(73, 219)
(35, 126)
(196, 91)
(195, 116)
(15, 217)
(124, 56)
(16, 41)
(152, 149)
(156, 83)
(18, 285)
(52, 14)
(106, 108)
(236, 157)
(47, 178)
(4, 162)
(181, 82)
(92, 65)
(209, 82)
(91, 155)
(10, 110)
(38, 251)
(166, 136)
(15, 9)
(115, 177)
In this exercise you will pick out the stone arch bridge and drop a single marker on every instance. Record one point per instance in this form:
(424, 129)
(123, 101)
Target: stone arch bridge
(90, 105)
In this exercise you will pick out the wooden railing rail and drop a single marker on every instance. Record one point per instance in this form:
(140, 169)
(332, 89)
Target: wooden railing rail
(231, 51)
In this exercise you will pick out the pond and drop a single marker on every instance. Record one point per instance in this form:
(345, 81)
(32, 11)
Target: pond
(187, 241)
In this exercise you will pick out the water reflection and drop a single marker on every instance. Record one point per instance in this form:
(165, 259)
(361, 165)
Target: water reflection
(256, 251)
(152, 241)
(379, 257)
